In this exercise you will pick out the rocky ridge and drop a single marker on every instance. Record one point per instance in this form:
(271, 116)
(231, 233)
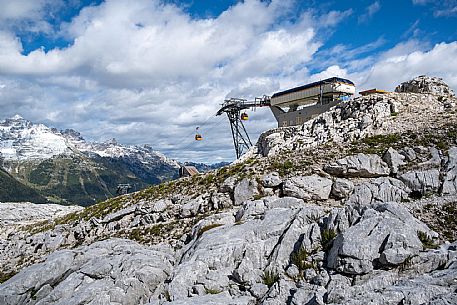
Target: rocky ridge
(352, 221)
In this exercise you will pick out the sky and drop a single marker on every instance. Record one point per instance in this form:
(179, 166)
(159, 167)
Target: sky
(151, 71)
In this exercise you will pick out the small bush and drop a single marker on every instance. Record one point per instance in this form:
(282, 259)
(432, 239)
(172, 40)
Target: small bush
(427, 242)
(300, 259)
(327, 239)
(269, 278)
(212, 291)
(6, 276)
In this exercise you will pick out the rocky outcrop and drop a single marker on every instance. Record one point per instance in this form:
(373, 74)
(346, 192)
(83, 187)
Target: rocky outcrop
(20, 213)
(308, 187)
(375, 114)
(109, 272)
(360, 165)
(426, 84)
(15, 215)
(384, 236)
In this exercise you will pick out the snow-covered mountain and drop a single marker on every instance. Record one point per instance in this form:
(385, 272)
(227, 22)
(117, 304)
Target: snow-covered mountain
(63, 167)
(21, 139)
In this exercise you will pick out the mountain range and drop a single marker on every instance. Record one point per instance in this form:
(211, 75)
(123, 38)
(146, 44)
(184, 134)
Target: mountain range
(44, 164)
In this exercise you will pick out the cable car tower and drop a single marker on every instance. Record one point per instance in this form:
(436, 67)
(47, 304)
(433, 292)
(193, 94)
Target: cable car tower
(233, 108)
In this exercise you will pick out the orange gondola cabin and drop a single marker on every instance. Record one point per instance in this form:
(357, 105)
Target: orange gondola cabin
(198, 136)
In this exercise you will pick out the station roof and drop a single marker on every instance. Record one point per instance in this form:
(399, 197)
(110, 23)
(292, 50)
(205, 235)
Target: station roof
(325, 81)
(371, 91)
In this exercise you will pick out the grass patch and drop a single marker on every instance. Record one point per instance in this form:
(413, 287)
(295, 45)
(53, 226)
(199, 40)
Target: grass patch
(269, 278)
(327, 238)
(258, 196)
(282, 167)
(212, 291)
(6, 276)
(427, 242)
(208, 227)
(382, 140)
(144, 235)
(300, 259)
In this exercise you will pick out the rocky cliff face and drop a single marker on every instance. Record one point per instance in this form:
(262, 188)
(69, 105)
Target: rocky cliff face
(366, 218)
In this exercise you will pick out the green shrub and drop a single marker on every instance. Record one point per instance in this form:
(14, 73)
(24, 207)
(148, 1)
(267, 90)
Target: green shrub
(300, 259)
(327, 238)
(269, 278)
(212, 291)
(427, 242)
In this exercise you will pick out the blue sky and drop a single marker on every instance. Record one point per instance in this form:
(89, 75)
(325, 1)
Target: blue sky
(150, 71)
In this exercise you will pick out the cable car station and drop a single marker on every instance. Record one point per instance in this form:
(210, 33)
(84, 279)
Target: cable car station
(290, 107)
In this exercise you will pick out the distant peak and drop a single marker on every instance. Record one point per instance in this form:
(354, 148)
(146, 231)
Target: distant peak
(17, 117)
(112, 142)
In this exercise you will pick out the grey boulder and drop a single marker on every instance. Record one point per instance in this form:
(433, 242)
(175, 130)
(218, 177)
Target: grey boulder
(308, 187)
(386, 235)
(360, 165)
(245, 190)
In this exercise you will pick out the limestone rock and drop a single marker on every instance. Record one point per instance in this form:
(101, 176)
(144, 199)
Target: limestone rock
(116, 271)
(386, 234)
(394, 159)
(384, 189)
(222, 298)
(360, 165)
(228, 185)
(342, 188)
(245, 190)
(426, 84)
(308, 187)
(423, 181)
(18, 213)
(450, 178)
(271, 180)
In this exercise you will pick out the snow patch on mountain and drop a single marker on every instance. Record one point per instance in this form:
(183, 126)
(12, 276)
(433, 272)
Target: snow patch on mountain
(22, 140)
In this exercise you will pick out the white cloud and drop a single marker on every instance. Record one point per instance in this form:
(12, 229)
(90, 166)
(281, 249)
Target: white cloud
(450, 11)
(443, 8)
(421, 2)
(333, 18)
(135, 67)
(370, 11)
(146, 72)
(406, 61)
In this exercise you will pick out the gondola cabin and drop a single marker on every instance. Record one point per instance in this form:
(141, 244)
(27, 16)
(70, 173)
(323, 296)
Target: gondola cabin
(244, 116)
